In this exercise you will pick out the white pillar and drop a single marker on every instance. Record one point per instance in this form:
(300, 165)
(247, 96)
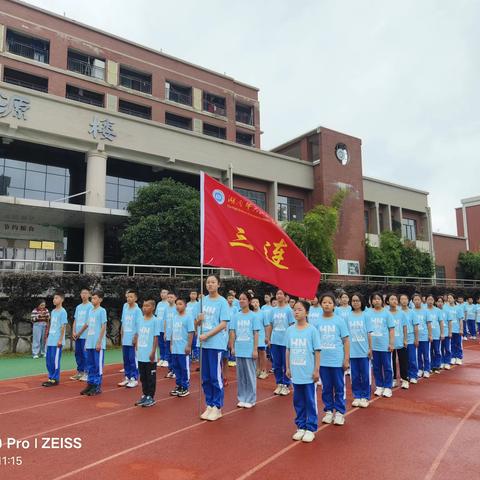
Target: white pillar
(377, 219)
(93, 244)
(273, 200)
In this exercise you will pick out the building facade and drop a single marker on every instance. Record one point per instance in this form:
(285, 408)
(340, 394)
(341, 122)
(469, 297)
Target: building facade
(87, 118)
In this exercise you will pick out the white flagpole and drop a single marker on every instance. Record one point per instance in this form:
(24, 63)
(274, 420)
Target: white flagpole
(202, 236)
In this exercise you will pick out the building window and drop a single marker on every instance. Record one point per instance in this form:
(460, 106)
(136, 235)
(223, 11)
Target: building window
(245, 139)
(84, 96)
(142, 82)
(34, 180)
(409, 229)
(214, 131)
(86, 65)
(135, 109)
(121, 191)
(244, 114)
(26, 80)
(214, 104)
(28, 47)
(289, 209)
(440, 271)
(178, 93)
(259, 198)
(178, 121)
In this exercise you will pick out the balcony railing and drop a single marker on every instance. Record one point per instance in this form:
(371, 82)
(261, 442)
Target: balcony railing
(23, 83)
(178, 97)
(135, 113)
(81, 98)
(212, 107)
(135, 83)
(244, 117)
(86, 68)
(28, 51)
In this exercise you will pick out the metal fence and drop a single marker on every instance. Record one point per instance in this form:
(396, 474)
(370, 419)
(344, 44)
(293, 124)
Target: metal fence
(109, 269)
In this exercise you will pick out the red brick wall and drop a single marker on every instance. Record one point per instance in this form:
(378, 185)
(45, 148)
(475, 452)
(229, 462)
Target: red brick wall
(473, 227)
(447, 250)
(459, 217)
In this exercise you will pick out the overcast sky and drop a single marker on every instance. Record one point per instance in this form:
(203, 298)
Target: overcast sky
(402, 76)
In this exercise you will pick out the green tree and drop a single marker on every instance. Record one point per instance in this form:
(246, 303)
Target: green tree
(469, 263)
(163, 228)
(316, 233)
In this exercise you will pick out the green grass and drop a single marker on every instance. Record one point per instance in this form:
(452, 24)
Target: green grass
(15, 365)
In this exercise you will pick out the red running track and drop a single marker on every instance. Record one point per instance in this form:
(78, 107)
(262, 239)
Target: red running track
(429, 432)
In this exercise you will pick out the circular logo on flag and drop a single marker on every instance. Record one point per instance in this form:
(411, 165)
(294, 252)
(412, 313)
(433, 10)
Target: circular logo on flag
(219, 196)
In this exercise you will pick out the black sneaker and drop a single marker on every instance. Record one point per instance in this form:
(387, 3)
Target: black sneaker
(175, 391)
(96, 390)
(140, 402)
(87, 389)
(183, 392)
(49, 383)
(149, 402)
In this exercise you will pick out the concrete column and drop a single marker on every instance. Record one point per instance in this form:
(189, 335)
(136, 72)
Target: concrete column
(197, 99)
(230, 176)
(2, 38)
(112, 72)
(377, 218)
(272, 200)
(197, 125)
(93, 244)
(389, 219)
(400, 210)
(430, 233)
(112, 101)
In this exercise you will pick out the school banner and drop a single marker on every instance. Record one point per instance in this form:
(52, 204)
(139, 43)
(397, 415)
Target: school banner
(237, 234)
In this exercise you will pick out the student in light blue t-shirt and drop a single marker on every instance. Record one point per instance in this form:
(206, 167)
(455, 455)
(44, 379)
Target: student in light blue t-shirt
(79, 318)
(302, 341)
(344, 308)
(166, 323)
(456, 314)
(424, 337)
(193, 309)
(412, 337)
(335, 360)
(159, 313)
(462, 311)
(148, 329)
(470, 315)
(227, 358)
(131, 314)
(263, 321)
(280, 318)
(315, 311)
(244, 332)
(95, 344)
(435, 315)
(400, 351)
(55, 340)
(183, 327)
(477, 315)
(383, 344)
(213, 323)
(360, 330)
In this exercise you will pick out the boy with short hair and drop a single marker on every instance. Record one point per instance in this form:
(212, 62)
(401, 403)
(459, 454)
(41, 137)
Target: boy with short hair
(55, 340)
(79, 318)
(95, 344)
(131, 314)
(181, 346)
(146, 342)
(159, 313)
(166, 323)
(193, 308)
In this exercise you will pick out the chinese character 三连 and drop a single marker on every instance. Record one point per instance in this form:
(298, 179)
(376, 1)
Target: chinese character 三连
(241, 240)
(102, 127)
(278, 253)
(17, 106)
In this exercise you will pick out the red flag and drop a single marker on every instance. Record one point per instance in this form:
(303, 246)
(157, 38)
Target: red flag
(236, 233)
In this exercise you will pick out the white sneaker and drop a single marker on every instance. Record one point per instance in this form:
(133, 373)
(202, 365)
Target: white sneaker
(278, 389)
(263, 375)
(36, 356)
(122, 370)
(319, 383)
(378, 391)
(132, 383)
(339, 419)
(348, 371)
(356, 402)
(394, 383)
(165, 363)
(124, 382)
(249, 405)
(206, 413)
(426, 374)
(285, 391)
(405, 385)
(215, 414)
(453, 361)
(328, 418)
(364, 403)
(447, 366)
(413, 380)
(420, 374)
(298, 435)
(240, 404)
(84, 377)
(459, 361)
(308, 437)
(77, 376)
(437, 371)
(387, 392)
(160, 363)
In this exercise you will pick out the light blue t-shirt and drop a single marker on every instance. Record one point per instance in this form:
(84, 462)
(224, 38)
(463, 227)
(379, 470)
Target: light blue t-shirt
(400, 322)
(58, 318)
(382, 322)
(411, 321)
(470, 310)
(182, 325)
(266, 307)
(168, 315)
(359, 326)
(245, 325)
(434, 315)
(215, 311)
(236, 304)
(80, 316)
(302, 344)
(193, 308)
(477, 312)
(147, 331)
(159, 313)
(343, 312)
(232, 310)
(263, 322)
(96, 318)
(280, 319)
(314, 314)
(130, 317)
(454, 315)
(332, 331)
(421, 315)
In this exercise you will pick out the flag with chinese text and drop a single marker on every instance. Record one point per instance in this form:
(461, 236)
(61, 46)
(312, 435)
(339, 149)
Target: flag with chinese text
(237, 234)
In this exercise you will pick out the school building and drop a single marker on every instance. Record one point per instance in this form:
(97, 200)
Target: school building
(87, 118)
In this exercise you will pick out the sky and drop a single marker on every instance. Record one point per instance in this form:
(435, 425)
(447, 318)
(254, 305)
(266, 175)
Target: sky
(402, 76)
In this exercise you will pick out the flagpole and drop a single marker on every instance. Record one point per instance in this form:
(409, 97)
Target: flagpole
(202, 225)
